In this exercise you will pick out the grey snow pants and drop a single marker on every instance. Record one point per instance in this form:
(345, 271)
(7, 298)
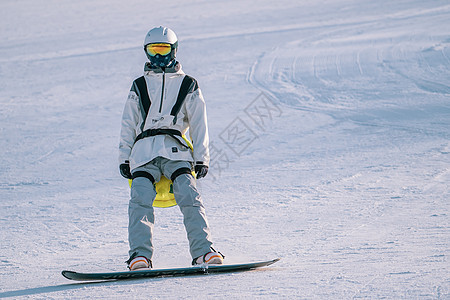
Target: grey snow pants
(141, 213)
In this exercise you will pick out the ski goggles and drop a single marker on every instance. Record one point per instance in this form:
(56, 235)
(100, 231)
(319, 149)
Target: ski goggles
(158, 48)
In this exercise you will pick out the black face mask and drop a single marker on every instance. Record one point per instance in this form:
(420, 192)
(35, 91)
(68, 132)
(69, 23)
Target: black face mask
(173, 67)
(161, 61)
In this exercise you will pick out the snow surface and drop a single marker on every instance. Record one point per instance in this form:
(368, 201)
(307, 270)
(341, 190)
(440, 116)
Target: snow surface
(329, 123)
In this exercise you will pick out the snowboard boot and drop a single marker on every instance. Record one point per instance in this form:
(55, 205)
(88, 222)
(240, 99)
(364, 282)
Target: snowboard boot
(210, 258)
(139, 263)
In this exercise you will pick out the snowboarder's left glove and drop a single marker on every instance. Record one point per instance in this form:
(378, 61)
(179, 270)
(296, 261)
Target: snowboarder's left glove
(125, 170)
(200, 169)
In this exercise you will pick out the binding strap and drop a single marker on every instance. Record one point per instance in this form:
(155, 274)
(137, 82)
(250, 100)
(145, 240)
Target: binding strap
(134, 255)
(194, 261)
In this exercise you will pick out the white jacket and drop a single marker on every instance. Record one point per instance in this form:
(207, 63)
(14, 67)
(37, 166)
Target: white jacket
(192, 116)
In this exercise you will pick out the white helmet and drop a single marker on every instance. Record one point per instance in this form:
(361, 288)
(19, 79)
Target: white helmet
(161, 35)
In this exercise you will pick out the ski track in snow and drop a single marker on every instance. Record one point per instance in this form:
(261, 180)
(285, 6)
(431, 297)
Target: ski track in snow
(346, 178)
(387, 95)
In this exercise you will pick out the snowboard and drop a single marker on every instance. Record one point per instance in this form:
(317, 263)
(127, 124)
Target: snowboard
(195, 270)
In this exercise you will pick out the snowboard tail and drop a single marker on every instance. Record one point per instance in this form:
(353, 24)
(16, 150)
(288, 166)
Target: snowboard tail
(196, 270)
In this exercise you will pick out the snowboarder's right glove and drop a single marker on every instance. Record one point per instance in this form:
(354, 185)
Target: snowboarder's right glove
(200, 169)
(125, 170)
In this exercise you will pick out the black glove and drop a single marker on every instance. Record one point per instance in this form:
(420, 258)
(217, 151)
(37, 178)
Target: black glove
(200, 169)
(125, 170)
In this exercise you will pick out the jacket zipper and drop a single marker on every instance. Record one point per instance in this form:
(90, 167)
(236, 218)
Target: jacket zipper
(162, 91)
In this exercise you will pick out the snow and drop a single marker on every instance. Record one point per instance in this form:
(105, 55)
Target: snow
(329, 123)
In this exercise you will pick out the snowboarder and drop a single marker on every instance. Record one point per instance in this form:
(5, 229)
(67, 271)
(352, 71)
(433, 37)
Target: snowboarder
(161, 107)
